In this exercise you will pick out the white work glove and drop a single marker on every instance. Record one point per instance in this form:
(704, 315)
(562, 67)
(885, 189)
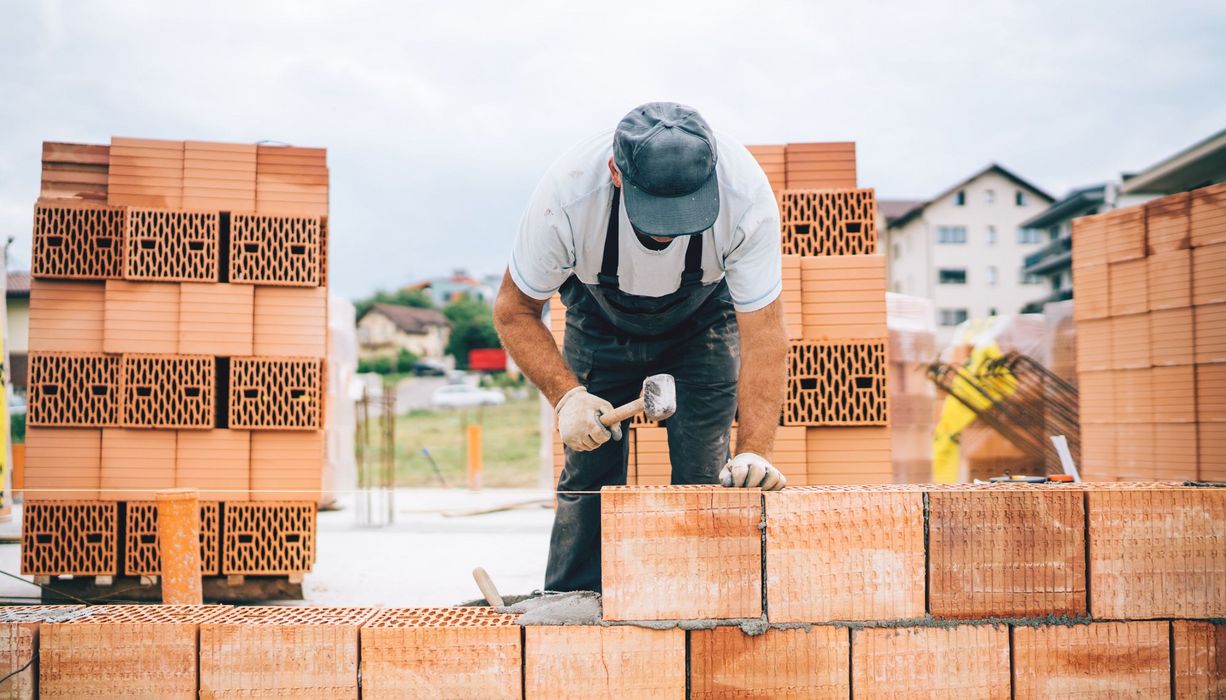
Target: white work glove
(748, 470)
(579, 420)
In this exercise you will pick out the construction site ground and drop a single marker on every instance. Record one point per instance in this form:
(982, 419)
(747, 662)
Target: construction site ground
(425, 558)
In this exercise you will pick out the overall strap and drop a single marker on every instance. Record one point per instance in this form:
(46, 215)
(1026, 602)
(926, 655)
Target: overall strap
(608, 264)
(693, 262)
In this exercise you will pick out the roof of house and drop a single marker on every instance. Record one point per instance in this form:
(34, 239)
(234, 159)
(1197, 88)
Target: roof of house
(1076, 203)
(992, 168)
(411, 319)
(18, 283)
(1203, 163)
(893, 208)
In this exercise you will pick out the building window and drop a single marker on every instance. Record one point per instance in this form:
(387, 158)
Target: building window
(1028, 236)
(989, 196)
(1031, 278)
(991, 235)
(951, 234)
(1019, 198)
(992, 276)
(960, 198)
(955, 275)
(952, 317)
(896, 251)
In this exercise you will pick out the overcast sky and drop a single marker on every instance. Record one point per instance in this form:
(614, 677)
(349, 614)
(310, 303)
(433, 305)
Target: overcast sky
(439, 117)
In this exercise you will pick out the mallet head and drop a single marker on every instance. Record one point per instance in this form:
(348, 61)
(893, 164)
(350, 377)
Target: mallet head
(659, 397)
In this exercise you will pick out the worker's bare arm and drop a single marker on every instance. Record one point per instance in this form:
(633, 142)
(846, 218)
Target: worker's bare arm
(517, 317)
(763, 380)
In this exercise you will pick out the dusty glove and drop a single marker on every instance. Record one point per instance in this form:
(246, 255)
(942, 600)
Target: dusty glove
(579, 420)
(748, 470)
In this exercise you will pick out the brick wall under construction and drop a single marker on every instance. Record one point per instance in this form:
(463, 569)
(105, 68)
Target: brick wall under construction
(992, 591)
(1150, 309)
(835, 423)
(178, 339)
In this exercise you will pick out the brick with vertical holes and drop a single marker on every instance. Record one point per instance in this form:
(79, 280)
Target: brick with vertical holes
(1098, 660)
(969, 661)
(1199, 659)
(587, 661)
(727, 663)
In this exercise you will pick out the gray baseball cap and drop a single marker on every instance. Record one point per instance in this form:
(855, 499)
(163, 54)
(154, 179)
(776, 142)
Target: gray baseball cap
(666, 155)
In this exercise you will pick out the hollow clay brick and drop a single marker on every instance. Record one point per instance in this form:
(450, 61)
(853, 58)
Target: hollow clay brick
(142, 555)
(1093, 292)
(291, 321)
(1170, 280)
(286, 465)
(772, 160)
(215, 462)
(268, 539)
(1125, 234)
(77, 241)
(1208, 215)
(69, 538)
(791, 297)
(726, 663)
(1006, 552)
(171, 246)
(73, 390)
(1157, 553)
(140, 317)
(1199, 659)
(965, 661)
(136, 462)
(678, 552)
(820, 165)
(60, 460)
(836, 383)
(275, 250)
(1209, 275)
(828, 222)
(1129, 287)
(168, 391)
(283, 393)
(1171, 337)
(281, 652)
(66, 316)
(584, 661)
(123, 651)
(843, 297)
(1167, 223)
(74, 171)
(1098, 660)
(849, 455)
(1089, 235)
(427, 653)
(1211, 393)
(216, 319)
(1094, 345)
(844, 553)
(1210, 335)
(219, 176)
(19, 627)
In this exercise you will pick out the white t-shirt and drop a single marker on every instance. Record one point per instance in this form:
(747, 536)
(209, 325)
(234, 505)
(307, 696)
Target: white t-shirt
(563, 230)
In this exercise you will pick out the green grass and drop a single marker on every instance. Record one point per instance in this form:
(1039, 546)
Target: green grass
(510, 445)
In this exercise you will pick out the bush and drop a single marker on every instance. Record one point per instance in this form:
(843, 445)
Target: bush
(400, 297)
(17, 427)
(378, 365)
(472, 328)
(405, 361)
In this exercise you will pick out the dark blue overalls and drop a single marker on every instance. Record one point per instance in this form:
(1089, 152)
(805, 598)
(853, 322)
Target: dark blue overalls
(615, 340)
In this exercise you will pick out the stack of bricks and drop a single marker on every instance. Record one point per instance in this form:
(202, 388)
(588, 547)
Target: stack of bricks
(914, 404)
(997, 591)
(178, 321)
(1150, 309)
(835, 423)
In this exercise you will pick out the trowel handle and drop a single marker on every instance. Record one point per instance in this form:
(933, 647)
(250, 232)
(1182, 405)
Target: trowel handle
(486, 584)
(621, 413)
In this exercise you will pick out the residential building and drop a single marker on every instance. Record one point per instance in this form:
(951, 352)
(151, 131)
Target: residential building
(1199, 165)
(1054, 261)
(386, 329)
(457, 285)
(964, 249)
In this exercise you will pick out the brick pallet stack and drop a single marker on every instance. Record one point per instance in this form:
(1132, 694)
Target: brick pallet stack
(1150, 309)
(835, 424)
(177, 339)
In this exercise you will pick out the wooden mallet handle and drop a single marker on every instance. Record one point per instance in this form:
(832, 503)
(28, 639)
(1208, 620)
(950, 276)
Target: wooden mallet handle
(622, 412)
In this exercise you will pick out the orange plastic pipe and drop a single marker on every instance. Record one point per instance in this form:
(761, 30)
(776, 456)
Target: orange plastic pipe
(474, 456)
(179, 546)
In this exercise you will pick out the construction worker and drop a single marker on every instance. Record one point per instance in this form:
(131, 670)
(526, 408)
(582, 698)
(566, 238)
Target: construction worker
(602, 226)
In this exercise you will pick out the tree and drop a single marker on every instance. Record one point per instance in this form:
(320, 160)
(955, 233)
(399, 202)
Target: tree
(405, 361)
(472, 327)
(399, 297)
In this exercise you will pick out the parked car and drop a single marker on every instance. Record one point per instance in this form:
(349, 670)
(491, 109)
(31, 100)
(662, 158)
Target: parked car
(429, 369)
(463, 396)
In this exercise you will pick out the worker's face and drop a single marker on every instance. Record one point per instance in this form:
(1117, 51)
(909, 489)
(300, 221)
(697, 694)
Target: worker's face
(617, 182)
